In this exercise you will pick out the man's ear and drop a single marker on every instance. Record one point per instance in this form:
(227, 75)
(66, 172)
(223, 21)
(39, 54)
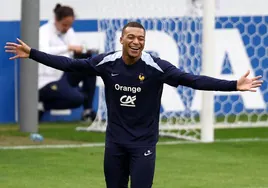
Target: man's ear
(121, 40)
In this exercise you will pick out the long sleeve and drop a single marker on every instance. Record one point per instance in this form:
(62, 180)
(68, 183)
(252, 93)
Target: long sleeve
(72, 37)
(56, 50)
(88, 66)
(53, 42)
(45, 37)
(174, 77)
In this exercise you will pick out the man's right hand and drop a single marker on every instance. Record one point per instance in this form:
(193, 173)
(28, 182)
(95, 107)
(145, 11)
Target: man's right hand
(75, 48)
(20, 50)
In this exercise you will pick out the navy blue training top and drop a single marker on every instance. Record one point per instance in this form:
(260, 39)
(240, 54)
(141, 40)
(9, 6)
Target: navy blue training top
(133, 92)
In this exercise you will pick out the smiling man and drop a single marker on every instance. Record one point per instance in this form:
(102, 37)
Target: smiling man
(133, 40)
(133, 87)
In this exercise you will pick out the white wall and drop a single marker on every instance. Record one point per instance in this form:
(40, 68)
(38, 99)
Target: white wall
(85, 9)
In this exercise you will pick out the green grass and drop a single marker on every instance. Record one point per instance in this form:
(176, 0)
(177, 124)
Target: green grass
(215, 165)
(61, 131)
(188, 166)
(258, 132)
(66, 131)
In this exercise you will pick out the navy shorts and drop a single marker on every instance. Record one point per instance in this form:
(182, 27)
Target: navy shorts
(122, 162)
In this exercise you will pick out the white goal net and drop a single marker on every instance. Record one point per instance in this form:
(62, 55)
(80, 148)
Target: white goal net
(174, 33)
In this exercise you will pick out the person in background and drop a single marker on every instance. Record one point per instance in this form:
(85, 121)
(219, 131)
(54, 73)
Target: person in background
(66, 90)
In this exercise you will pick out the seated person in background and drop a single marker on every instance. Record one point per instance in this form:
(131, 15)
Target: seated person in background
(60, 90)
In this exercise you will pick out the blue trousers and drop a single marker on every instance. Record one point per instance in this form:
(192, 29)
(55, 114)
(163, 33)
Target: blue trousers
(122, 162)
(66, 93)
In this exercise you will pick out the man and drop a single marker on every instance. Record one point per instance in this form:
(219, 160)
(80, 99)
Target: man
(133, 86)
(61, 90)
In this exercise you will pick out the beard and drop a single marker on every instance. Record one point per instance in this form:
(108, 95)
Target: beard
(131, 56)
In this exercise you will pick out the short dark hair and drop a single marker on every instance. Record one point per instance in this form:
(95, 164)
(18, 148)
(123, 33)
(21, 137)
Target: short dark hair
(132, 24)
(63, 11)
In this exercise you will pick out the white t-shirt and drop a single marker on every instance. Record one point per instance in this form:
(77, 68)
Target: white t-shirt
(53, 42)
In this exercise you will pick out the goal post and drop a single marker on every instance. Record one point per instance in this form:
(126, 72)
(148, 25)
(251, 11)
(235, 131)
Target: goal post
(208, 46)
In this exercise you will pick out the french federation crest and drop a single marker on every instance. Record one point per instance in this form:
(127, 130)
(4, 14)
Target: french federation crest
(141, 77)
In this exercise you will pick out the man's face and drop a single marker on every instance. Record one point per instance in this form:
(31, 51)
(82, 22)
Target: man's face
(133, 41)
(65, 24)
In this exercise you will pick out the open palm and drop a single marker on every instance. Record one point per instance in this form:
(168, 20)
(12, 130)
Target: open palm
(20, 50)
(249, 84)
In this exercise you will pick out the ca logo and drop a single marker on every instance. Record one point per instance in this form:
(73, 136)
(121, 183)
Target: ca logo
(128, 101)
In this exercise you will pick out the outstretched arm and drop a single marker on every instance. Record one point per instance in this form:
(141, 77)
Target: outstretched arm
(22, 50)
(173, 76)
